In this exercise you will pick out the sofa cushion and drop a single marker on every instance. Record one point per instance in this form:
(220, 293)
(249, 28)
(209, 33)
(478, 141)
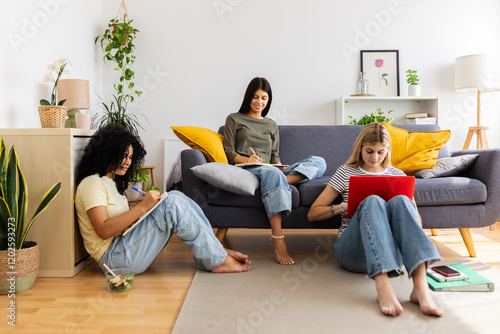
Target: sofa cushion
(310, 190)
(217, 196)
(452, 190)
(228, 177)
(207, 141)
(414, 151)
(448, 166)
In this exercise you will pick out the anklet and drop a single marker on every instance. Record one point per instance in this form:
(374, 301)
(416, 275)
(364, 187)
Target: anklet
(275, 237)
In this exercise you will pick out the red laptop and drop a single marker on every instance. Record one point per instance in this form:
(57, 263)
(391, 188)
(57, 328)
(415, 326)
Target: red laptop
(360, 187)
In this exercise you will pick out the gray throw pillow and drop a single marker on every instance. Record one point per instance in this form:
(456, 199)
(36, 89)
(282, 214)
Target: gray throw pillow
(448, 166)
(228, 177)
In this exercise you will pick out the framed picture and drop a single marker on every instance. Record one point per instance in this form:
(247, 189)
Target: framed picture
(382, 71)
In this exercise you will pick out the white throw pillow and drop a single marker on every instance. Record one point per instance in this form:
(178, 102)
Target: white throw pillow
(448, 166)
(228, 177)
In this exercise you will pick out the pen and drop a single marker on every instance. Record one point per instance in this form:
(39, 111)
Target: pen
(140, 191)
(253, 152)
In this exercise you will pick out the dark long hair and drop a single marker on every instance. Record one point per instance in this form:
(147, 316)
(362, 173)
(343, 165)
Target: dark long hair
(105, 152)
(253, 86)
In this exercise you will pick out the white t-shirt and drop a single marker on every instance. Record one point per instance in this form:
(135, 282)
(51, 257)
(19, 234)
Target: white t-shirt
(96, 191)
(340, 182)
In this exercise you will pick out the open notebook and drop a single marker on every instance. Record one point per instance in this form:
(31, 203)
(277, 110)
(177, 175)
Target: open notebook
(360, 187)
(144, 215)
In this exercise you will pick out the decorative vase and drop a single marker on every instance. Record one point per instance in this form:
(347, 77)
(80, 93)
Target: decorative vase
(414, 90)
(52, 116)
(18, 269)
(362, 84)
(131, 193)
(71, 120)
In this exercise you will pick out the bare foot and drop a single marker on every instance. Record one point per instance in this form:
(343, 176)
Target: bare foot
(389, 304)
(282, 256)
(422, 297)
(243, 258)
(231, 265)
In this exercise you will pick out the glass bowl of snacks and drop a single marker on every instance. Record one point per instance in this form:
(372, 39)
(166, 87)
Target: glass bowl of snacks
(120, 279)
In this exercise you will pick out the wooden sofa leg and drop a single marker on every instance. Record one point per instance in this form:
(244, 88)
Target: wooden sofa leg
(221, 233)
(465, 232)
(434, 231)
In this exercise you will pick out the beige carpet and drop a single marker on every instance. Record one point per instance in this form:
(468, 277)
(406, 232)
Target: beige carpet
(319, 297)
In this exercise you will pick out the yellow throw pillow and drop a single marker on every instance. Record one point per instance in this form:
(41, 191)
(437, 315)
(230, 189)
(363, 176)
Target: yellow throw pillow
(414, 151)
(205, 140)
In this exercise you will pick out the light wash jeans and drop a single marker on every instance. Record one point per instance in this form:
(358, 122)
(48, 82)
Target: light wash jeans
(276, 194)
(381, 237)
(176, 214)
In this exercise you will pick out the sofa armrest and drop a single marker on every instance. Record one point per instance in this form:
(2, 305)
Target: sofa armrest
(192, 186)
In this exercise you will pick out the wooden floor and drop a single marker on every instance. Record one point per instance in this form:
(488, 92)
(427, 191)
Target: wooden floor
(82, 304)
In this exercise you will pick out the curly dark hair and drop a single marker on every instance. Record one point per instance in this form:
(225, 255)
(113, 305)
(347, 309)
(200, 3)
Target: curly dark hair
(105, 152)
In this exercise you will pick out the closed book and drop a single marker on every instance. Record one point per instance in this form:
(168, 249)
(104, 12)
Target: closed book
(422, 120)
(416, 114)
(476, 282)
(441, 278)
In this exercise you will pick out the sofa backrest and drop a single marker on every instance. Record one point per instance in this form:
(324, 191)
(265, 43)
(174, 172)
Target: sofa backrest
(332, 142)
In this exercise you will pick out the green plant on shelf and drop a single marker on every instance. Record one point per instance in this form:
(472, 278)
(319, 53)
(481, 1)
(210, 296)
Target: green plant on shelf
(412, 77)
(378, 116)
(142, 175)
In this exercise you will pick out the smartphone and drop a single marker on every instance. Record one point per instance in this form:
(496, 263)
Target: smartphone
(446, 271)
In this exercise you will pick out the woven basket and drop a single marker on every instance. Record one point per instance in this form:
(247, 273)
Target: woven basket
(24, 270)
(52, 116)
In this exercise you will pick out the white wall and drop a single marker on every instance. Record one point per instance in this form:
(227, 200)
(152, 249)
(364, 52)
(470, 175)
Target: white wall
(195, 58)
(34, 33)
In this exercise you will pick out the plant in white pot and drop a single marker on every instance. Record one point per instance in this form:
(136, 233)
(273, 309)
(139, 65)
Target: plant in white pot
(412, 80)
(137, 177)
(16, 254)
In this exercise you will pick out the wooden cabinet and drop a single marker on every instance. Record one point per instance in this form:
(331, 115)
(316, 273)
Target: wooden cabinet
(357, 106)
(48, 156)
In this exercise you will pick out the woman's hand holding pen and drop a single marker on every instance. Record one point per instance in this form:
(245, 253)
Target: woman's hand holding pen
(254, 157)
(150, 198)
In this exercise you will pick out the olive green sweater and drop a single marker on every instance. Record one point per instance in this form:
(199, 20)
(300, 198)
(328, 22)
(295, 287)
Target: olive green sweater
(242, 132)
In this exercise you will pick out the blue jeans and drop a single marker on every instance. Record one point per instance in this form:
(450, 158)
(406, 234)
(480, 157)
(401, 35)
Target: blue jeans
(276, 193)
(381, 237)
(176, 214)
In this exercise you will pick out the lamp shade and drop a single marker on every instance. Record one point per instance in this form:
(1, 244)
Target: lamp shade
(76, 93)
(479, 72)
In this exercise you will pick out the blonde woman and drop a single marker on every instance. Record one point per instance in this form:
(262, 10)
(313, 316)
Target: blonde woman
(381, 236)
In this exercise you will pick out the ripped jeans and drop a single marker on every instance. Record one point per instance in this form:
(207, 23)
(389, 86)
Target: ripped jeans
(276, 194)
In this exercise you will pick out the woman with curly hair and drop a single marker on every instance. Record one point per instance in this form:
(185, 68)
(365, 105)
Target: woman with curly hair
(103, 212)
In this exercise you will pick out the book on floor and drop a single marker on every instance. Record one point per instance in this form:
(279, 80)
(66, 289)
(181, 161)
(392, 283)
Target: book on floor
(475, 282)
(144, 215)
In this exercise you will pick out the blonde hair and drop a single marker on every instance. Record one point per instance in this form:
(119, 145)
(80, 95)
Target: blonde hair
(371, 134)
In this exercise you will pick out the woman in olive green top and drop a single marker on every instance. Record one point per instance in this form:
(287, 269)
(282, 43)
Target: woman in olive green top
(249, 136)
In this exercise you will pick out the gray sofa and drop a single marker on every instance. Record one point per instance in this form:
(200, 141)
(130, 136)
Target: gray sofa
(470, 199)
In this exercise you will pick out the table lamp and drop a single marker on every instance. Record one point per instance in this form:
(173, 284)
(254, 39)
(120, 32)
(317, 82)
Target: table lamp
(477, 73)
(76, 93)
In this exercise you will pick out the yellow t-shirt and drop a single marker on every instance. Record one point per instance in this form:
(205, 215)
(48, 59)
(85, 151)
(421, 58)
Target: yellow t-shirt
(97, 191)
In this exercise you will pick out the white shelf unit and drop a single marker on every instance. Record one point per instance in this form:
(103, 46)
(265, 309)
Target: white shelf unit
(357, 106)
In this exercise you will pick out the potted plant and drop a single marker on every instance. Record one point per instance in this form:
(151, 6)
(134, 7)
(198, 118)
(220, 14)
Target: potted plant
(412, 80)
(21, 256)
(137, 178)
(379, 116)
(117, 43)
(53, 113)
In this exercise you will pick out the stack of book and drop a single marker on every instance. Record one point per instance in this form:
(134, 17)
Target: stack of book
(468, 280)
(420, 118)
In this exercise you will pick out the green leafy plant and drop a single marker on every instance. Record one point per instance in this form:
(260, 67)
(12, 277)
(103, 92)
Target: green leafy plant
(116, 113)
(14, 201)
(117, 43)
(412, 77)
(378, 116)
(139, 174)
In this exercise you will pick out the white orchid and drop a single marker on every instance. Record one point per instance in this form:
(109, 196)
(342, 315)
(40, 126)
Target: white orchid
(56, 69)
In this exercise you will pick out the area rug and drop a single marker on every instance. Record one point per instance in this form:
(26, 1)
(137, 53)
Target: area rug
(319, 297)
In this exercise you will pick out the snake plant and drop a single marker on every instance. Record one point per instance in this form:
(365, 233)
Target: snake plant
(14, 200)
